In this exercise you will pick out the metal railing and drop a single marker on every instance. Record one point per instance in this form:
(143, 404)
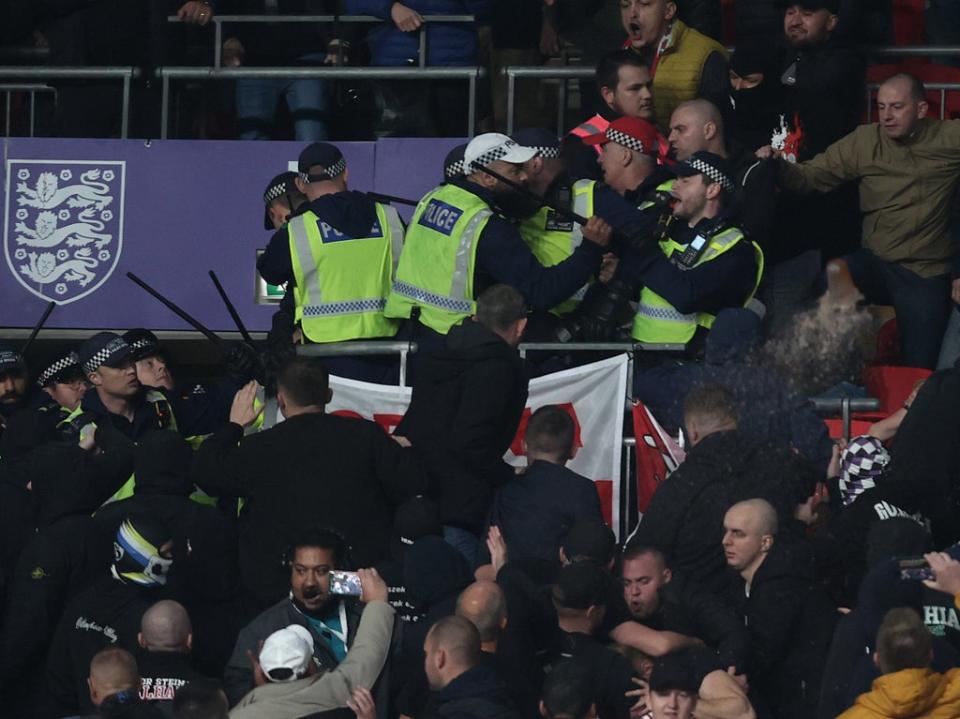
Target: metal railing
(219, 20)
(470, 74)
(8, 90)
(363, 348)
(124, 74)
(846, 406)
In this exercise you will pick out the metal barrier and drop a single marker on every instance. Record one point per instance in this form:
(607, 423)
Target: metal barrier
(846, 406)
(471, 74)
(124, 74)
(361, 348)
(9, 89)
(219, 20)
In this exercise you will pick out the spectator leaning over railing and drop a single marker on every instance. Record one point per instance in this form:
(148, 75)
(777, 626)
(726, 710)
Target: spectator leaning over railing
(907, 165)
(396, 43)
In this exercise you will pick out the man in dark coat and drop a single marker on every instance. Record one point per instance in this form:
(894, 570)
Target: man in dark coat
(466, 405)
(312, 468)
(107, 612)
(685, 517)
(788, 615)
(463, 685)
(535, 510)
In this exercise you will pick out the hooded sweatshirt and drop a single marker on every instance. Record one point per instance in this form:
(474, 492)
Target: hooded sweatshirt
(910, 694)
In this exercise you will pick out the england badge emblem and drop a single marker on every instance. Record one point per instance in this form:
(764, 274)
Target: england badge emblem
(64, 225)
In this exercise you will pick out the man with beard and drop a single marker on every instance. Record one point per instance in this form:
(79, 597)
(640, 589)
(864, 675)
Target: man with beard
(459, 242)
(13, 383)
(331, 620)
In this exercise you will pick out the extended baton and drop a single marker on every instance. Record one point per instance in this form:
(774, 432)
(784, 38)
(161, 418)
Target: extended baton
(380, 197)
(209, 334)
(231, 309)
(564, 212)
(36, 328)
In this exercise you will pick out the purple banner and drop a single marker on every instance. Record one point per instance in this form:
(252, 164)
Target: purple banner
(79, 214)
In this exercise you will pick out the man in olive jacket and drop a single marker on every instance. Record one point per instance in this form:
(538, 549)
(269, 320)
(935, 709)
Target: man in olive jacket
(908, 166)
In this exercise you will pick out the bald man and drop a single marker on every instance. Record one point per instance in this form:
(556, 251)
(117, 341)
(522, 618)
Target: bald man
(694, 126)
(114, 682)
(510, 655)
(165, 639)
(788, 615)
(457, 674)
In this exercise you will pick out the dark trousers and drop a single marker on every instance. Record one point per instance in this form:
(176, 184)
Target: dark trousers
(922, 304)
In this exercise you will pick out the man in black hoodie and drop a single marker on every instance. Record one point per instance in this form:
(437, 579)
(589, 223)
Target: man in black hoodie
(107, 613)
(339, 251)
(465, 410)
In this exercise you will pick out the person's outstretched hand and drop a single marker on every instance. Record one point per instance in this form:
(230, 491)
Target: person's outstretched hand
(946, 572)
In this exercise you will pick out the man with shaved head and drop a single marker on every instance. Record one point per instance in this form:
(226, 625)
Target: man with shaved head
(165, 639)
(114, 682)
(788, 615)
(907, 165)
(696, 125)
(461, 683)
(511, 657)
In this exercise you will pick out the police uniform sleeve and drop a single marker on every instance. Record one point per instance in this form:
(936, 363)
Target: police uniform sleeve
(275, 265)
(710, 287)
(503, 255)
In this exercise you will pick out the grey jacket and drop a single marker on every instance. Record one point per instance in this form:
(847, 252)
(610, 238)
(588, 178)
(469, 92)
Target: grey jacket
(331, 689)
(238, 676)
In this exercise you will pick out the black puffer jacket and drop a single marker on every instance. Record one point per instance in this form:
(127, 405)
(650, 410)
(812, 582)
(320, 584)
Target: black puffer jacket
(463, 415)
(791, 624)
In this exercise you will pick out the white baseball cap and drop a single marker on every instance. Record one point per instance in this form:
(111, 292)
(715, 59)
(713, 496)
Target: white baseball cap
(287, 653)
(492, 146)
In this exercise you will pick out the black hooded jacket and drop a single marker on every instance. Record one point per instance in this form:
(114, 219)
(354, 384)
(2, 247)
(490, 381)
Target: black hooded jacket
(463, 415)
(685, 517)
(791, 624)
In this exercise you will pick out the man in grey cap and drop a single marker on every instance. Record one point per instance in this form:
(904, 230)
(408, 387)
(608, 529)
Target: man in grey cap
(338, 256)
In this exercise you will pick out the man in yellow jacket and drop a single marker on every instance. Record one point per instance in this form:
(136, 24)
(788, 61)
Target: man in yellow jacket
(908, 687)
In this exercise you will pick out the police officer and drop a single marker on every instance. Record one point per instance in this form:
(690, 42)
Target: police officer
(453, 163)
(552, 238)
(459, 242)
(281, 199)
(202, 407)
(703, 264)
(64, 383)
(629, 148)
(339, 255)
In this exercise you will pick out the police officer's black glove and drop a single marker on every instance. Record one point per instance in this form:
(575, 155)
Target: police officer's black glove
(242, 364)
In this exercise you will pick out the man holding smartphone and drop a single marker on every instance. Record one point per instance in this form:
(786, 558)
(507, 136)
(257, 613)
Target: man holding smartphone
(331, 619)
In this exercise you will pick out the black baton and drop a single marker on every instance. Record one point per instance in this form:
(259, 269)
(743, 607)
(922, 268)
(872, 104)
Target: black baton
(209, 334)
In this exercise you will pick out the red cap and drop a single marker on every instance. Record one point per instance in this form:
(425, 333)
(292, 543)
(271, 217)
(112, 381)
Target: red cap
(633, 132)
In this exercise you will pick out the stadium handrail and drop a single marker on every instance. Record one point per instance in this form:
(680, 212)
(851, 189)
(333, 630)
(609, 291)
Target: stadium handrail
(7, 89)
(124, 74)
(469, 73)
(220, 20)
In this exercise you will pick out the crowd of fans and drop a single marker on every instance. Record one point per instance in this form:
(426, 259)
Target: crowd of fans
(228, 548)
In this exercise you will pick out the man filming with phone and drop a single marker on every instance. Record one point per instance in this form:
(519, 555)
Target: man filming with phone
(331, 619)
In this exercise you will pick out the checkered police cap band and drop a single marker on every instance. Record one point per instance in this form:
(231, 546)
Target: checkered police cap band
(454, 169)
(547, 152)
(114, 346)
(493, 154)
(335, 170)
(273, 193)
(622, 138)
(712, 172)
(71, 360)
(142, 344)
